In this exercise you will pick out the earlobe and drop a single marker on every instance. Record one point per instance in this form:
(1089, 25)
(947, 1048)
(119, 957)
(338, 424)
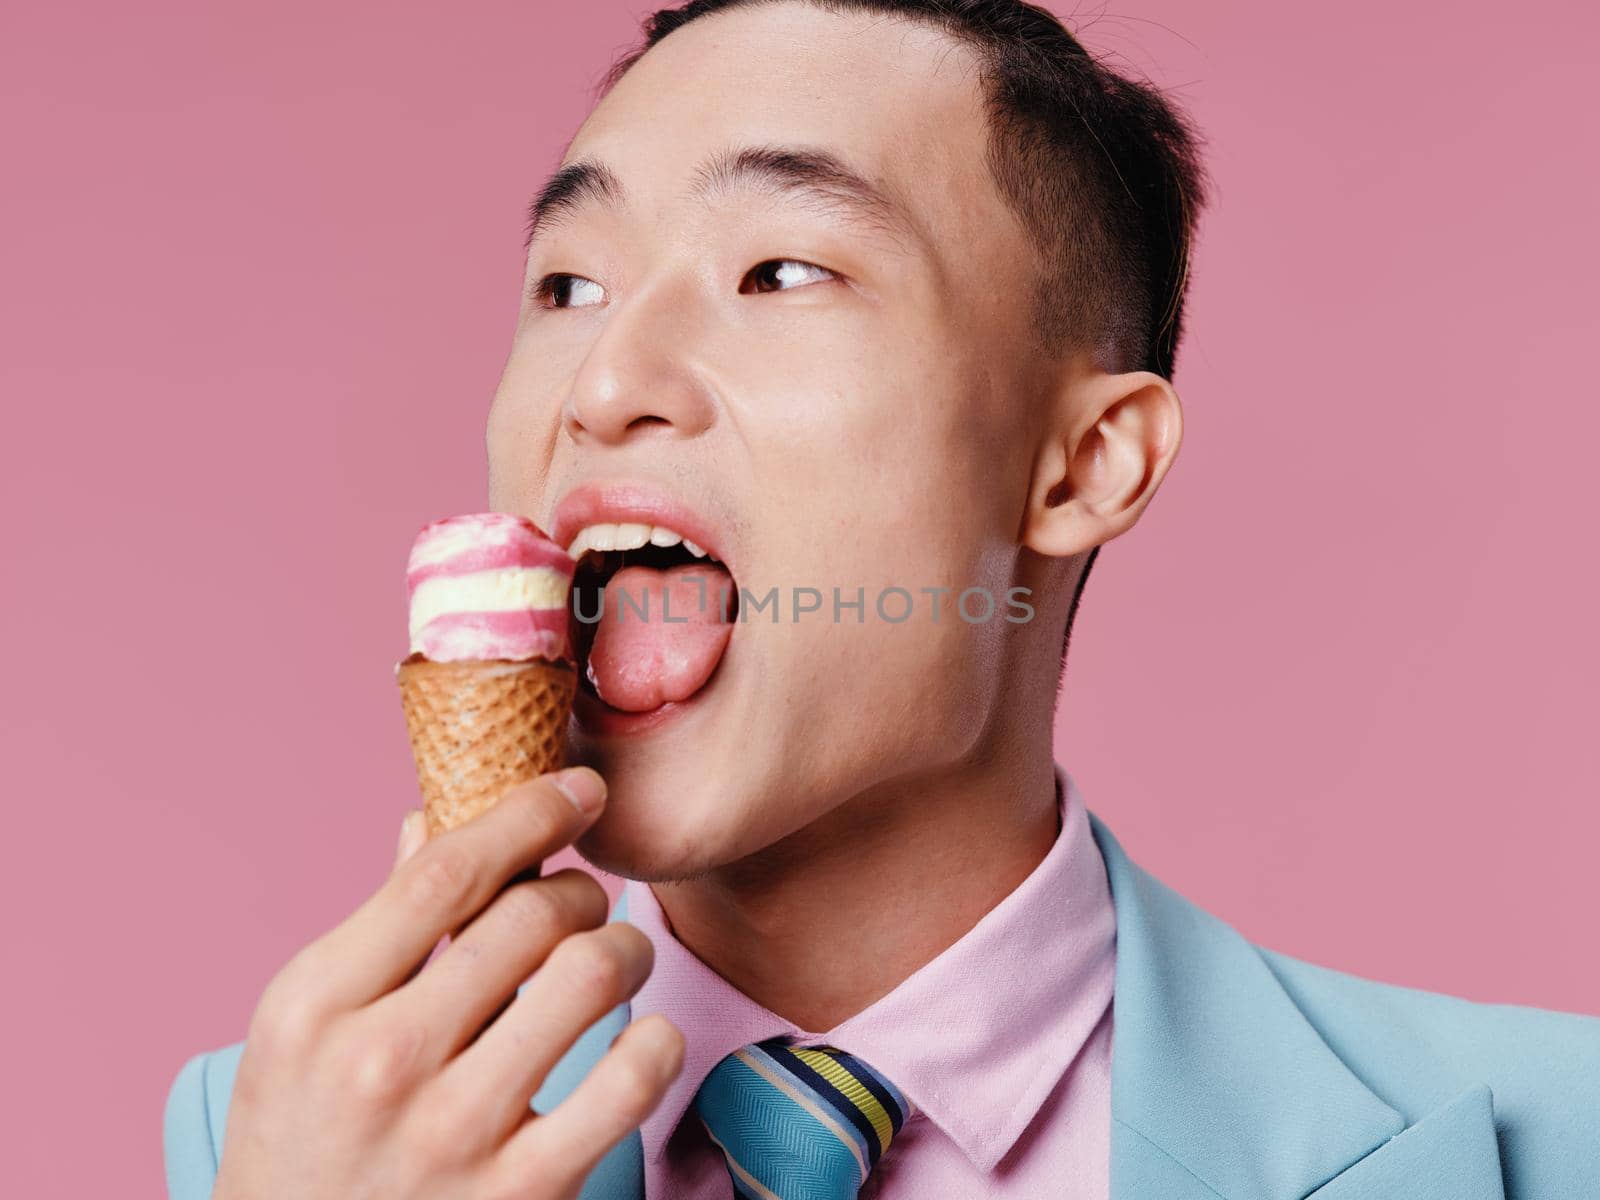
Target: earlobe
(1110, 444)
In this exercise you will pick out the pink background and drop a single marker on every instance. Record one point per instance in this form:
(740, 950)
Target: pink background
(261, 275)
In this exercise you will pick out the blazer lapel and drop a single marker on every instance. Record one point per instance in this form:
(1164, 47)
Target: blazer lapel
(620, 1174)
(1451, 1154)
(1221, 1087)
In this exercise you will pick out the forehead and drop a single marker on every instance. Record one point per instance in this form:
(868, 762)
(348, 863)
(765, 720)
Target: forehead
(897, 100)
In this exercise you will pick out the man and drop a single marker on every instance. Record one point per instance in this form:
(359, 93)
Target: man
(865, 313)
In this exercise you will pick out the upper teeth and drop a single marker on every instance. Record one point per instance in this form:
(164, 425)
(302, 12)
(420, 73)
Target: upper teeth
(628, 537)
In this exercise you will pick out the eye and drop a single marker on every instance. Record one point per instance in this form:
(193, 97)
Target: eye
(780, 274)
(567, 291)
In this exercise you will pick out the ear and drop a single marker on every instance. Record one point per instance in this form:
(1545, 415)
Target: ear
(1108, 442)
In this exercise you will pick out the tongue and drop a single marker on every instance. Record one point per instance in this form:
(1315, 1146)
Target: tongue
(640, 660)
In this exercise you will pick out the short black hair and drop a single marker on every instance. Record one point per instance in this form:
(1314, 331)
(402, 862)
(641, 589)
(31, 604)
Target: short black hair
(1104, 173)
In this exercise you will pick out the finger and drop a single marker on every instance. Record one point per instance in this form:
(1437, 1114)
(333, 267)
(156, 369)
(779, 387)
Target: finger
(584, 977)
(440, 887)
(562, 1146)
(413, 833)
(478, 973)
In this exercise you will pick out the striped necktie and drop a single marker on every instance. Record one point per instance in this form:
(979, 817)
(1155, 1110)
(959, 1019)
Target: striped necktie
(799, 1123)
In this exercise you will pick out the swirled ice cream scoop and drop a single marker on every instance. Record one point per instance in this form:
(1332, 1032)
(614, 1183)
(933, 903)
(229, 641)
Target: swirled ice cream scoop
(488, 586)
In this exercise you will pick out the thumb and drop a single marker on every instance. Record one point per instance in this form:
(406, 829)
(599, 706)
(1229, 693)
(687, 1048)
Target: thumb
(413, 832)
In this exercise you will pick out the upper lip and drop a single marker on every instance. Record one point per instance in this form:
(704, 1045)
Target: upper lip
(632, 503)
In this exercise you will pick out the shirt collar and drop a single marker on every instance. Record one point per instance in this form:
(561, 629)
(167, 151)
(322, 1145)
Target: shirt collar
(976, 1039)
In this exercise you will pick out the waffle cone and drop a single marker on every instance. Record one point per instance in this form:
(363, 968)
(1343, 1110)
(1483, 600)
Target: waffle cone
(478, 727)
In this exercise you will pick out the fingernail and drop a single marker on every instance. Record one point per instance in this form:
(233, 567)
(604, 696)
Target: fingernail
(411, 833)
(583, 786)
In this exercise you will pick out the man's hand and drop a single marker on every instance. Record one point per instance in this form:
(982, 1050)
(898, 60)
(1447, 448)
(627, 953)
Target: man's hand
(366, 1075)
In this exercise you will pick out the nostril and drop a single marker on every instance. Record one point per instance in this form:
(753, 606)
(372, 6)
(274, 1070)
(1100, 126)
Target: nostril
(648, 420)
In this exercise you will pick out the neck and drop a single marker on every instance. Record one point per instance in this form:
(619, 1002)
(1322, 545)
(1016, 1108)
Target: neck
(820, 924)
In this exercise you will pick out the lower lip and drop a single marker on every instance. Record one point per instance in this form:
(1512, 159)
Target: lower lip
(595, 716)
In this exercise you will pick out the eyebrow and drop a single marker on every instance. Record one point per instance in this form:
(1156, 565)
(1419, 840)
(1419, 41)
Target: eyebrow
(813, 176)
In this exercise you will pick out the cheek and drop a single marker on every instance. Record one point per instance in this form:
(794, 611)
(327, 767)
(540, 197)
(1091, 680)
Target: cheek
(893, 643)
(862, 432)
(500, 436)
(881, 475)
(519, 435)
(901, 499)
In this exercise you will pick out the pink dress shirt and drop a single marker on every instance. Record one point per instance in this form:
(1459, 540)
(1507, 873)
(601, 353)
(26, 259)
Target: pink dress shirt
(1002, 1043)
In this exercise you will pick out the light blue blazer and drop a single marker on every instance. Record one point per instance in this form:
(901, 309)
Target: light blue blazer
(1236, 1072)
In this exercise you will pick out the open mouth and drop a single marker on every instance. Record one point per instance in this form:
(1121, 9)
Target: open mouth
(652, 615)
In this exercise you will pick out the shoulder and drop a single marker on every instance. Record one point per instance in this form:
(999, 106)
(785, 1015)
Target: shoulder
(1409, 1031)
(196, 1111)
(1416, 1048)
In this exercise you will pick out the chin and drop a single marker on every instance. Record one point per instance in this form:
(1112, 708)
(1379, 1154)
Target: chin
(680, 791)
(656, 829)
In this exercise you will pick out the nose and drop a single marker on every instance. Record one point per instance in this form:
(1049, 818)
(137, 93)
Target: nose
(639, 375)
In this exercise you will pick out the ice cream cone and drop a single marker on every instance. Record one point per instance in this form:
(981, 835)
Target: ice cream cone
(479, 726)
(488, 684)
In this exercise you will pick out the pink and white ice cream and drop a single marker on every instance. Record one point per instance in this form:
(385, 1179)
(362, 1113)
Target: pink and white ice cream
(488, 586)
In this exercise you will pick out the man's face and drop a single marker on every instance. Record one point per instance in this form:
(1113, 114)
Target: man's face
(832, 400)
